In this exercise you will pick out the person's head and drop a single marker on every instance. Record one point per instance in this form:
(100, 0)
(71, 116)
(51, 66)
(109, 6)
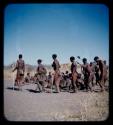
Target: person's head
(39, 61)
(84, 60)
(54, 56)
(91, 63)
(67, 72)
(72, 58)
(105, 62)
(20, 56)
(96, 58)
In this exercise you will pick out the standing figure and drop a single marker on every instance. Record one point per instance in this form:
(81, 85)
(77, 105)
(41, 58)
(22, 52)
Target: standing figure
(67, 80)
(102, 76)
(20, 67)
(86, 69)
(97, 74)
(74, 73)
(41, 76)
(92, 66)
(57, 76)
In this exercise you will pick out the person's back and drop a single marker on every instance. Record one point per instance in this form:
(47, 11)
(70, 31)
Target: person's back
(41, 76)
(57, 75)
(100, 63)
(56, 65)
(20, 67)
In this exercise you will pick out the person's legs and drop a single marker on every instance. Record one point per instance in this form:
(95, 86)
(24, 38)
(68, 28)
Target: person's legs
(51, 85)
(74, 86)
(38, 86)
(57, 82)
(101, 82)
(43, 86)
(86, 82)
(90, 83)
(97, 78)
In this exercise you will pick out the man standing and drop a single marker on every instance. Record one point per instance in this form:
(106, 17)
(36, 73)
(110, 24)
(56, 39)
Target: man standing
(41, 76)
(56, 68)
(86, 69)
(100, 63)
(92, 66)
(97, 74)
(74, 73)
(20, 67)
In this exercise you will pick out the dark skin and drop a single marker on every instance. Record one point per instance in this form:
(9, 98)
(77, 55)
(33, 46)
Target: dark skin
(19, 76)
(56, 67)
(102, 73)
(86, 71)
(40, 77)
(97, 74)
(74, 75)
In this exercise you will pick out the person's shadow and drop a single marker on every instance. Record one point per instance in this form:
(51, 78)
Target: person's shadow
(34, 91)
(11, 88)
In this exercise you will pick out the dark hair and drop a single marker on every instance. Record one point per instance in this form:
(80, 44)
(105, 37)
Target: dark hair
(20, 56)
(54, 55)
(91, 63)
(39, 60)
(84, 59)
(104, 61)
(95, 58)
(72, 58)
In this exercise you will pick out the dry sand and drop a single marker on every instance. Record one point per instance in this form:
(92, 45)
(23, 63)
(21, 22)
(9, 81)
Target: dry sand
(27, 105)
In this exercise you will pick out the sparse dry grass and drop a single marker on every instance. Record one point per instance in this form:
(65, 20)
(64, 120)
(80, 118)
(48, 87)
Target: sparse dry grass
(81, 106)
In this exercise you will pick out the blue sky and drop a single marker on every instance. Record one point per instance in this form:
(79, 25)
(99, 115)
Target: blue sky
(39, 30)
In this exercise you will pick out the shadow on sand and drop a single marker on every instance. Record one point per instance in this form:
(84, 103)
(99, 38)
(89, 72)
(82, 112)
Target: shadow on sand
(11, 88)
(34, 91)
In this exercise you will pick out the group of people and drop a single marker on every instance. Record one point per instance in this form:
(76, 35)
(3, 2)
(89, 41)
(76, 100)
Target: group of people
(71, 82)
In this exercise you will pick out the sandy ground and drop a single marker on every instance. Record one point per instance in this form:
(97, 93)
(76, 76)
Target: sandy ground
(27, 105)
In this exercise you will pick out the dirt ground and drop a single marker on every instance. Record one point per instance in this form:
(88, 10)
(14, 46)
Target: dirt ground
(28, 105)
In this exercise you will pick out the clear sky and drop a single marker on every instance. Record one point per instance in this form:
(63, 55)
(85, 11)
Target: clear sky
(39, 30)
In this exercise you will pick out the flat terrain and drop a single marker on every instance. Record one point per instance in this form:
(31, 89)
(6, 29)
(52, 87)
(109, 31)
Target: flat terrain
(28, 105)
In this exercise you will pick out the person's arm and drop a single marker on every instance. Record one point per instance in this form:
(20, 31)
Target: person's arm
(15, 67)
(44, 70)
(23, 67)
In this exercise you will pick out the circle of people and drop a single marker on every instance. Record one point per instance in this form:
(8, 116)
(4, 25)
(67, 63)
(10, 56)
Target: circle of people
(70, 82)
